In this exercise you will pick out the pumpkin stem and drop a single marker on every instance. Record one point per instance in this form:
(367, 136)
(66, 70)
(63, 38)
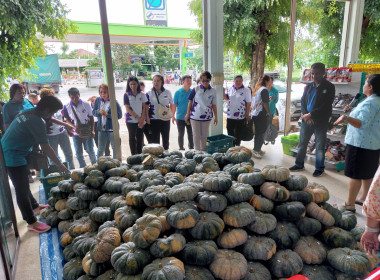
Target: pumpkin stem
(160, 266)
(133, 249)
(285, 256)
(251, 270)
(194, 272)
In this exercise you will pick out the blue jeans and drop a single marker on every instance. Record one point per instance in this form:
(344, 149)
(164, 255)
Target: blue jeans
(89, 146)
(103, 137)
(63, 141)
(319, 130)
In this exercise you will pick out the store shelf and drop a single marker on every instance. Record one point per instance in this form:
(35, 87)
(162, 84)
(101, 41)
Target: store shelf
(339, 165)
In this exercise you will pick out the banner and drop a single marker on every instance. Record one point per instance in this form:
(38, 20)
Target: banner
(155, 12)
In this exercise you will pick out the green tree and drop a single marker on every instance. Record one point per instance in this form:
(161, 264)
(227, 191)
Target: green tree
(64, 49)
(163, 57)
(197, 59)
(95, 62)
(20, 43)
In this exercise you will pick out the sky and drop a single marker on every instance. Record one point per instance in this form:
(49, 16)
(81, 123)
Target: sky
(122, 11)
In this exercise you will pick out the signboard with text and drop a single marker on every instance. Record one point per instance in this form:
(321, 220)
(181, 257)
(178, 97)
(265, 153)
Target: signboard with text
(155, 13)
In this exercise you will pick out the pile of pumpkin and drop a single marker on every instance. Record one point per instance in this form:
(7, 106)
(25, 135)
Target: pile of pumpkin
(162, 216)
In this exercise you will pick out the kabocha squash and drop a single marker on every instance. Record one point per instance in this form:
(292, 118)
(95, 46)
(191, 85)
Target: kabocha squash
(335, 212)
(60, 204)
(153, 149)
(239, 192)
(83, 225)
(157, 196)
(197, 273)
(94, 179)
(274, 191)
(63, 226)
(296, 183)
(186, 167)
(80, 214)
(115, 184)
(108, 275)
(336, 237)
(126, 216)
(131, 175)
(317, 272)
(191, 153)
(256, 178)
(168, 245)
(136, 159)
(285, 263)
(259, 248)
(106, 241)
(232, 238)
(165, 165)
(68, 253)
(83, 243)
(172, 179)
(351, 262)
(131, 186)
(66, 186)
(56, 193)
(217, 182)
(129, 259)
(209, 226)
(52, 201)
(65, 214)
(106, 162)
(316, 212)
(127, 235)
(263, 223)
(73, 269)
(221, 159)
(118, 202)
(290, 211)
(86, 193)
(91, 267)
(357, 233)
(105, 199)
(88, 168)
(309, 226)
(320, 193)
(151, 178)
(208, 165)
(240, 168)
(169, 268)
(195, 178)
(239, 215)
(101, 214)
(65, 239)
(146, 230)
(257, 271)
(348, 220)
(211, 201)
(199, 157)
(311, 250)
(52, 219)
(46, 211)
(110, 224)
(301, 196)
(261, 203)
(122, 276)
(135, 198)
(200, 252)
(92, 205)
(276, 173)
(78, 175)
(183, 192)
(117, 171)
(238, 154)
(182, 215)
(285, 234)
(229, 265)
(161, 214)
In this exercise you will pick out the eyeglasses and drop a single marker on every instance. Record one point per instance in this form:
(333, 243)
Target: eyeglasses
(206, 81)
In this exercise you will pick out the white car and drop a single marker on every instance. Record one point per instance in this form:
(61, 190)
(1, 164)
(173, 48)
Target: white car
(295, 99)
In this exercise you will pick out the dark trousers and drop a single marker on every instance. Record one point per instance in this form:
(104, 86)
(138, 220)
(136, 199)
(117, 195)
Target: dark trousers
(107, 150)
(158, 128)
(319, 130)
(261, 124)
(25, 200)
(136, 135)
(181, 125)
(147, 132)
(235, 128)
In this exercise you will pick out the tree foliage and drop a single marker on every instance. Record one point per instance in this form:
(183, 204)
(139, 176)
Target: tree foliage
(163, 57)
(22, 22)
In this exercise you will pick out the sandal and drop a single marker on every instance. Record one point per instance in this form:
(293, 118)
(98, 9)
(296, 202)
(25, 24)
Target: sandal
(359, 202)
(344, 207)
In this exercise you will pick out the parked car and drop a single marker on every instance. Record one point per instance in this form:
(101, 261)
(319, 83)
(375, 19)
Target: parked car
(295, 99)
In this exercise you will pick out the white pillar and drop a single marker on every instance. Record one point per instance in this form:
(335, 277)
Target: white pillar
(215, 57)
(352, 26)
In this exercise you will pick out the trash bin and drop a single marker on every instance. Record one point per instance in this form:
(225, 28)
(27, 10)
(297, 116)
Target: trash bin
(289, 142)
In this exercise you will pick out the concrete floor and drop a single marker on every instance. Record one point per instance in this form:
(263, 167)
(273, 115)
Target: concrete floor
(28, 261)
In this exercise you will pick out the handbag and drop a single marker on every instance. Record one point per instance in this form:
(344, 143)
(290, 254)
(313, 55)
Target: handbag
(247, 134)
(163, 112)
(271, 133)
(37, 160)
(83, 130)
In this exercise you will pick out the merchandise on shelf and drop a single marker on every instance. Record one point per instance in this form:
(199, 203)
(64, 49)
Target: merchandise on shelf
(331, 74)
(341, 100)
(343, 74)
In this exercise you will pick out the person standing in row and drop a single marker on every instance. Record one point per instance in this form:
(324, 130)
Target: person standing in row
(157, 96)
(79, 114)
(135, 104)
(316, 108)
(102, 110)
(273, 99)
(201, 110)
(239, 104)
(181, 102)
(260, 112)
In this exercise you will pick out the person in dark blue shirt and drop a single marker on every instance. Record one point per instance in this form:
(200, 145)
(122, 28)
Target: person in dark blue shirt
(316, 108)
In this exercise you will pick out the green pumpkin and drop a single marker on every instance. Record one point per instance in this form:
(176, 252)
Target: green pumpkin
(182, 215)
(65, 239)
(229, 264)
(92, 205)
(296, 182)
(66, 186)
(276, 173)
(82, 243)
(357, 233)
(161, 214)
(209, 226)
(115, 184)
(95, 179)
(255, 178)
(73, 269)
(52, 219)
(285, 234)
(261, 203)
(169, 268)
(259, 248)
(239, 192)
(320, 193)
(351, 262)
(131, 175)
(309, 226)
(199, 157)
(65, 214)
(217, 182)
(311, 250)
(105, 199)
(108, 275)
(221, 159)
(290, 211)
(190, 153)
(238, 154)
(135, 198)
(91, 267)
(81, 226)
(146, 230)
(126, 216)
(131, 186)
(86, 193)
(129, 259)
(105, 163)
(109, 224)
(63, 226)
(257, 271)
(348, 221)
(301, 196)
(195, 178)
(167, 164)
(183, 192)
(117, 171)
(136, 159)
(106, 241)
(317, 272)
(197, 273)
(122, 276)
(157, 196)
(232, 238)
(46, 211)
(274, 191)
(151, 178)
(88, 168)
(322, 215)
(101, 214)
(334, 212)
(68, 253)
(207, 165)
(236, 169)
(336, 237)
(285, 263)
(81, 213)
(56, 193)
(168, 245)
(52, 201)
(186, 167)
(172, 179)
(263, 223)
(201, 252)
(211, 201)
(78, 175)
(239, 215)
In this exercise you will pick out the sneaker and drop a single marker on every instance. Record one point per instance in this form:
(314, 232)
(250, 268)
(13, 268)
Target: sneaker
(39, 227)
(317, 173)
(296, 168)
(181, 149)
(39, 208)
(256, 155)
(345, 207)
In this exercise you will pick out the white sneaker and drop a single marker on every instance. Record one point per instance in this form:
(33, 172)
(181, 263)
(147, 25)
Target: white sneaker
(257, 155)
